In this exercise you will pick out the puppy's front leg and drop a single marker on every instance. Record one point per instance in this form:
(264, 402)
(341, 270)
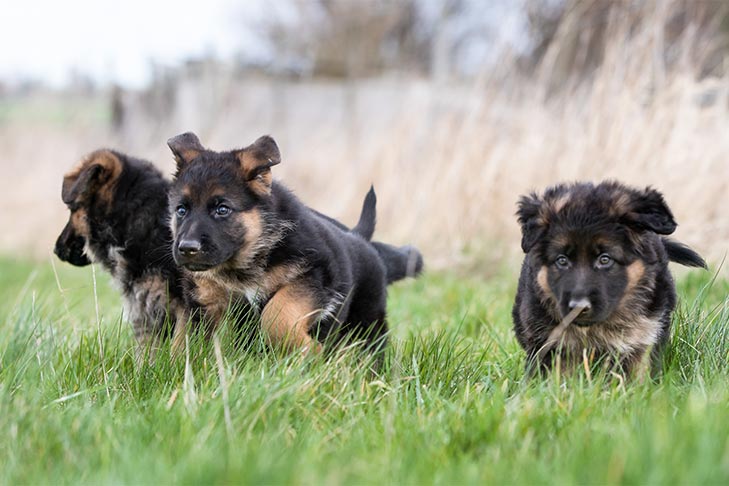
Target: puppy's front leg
(178, 335)
(206, 306)
(287, 318)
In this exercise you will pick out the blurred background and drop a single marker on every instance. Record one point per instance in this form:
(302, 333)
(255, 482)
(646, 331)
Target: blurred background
(452, 108)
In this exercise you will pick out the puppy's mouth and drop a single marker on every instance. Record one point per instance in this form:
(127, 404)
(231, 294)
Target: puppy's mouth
(200, 261)
(588, 319)
(584, 322)
(580, 318)
(197, 267)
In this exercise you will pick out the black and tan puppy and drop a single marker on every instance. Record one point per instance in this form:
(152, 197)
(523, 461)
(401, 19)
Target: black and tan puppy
(243, 237)
(598, 248)
(119, 219)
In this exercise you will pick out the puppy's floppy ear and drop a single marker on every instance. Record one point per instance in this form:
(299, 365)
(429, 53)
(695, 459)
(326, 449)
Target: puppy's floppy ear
(649, 211)
(185, 148)
(95, 174)
(532, 224)
(256, 161)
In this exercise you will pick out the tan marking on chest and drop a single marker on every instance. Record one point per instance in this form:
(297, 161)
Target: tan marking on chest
(216, 285)
(214, 296)
(620, 334)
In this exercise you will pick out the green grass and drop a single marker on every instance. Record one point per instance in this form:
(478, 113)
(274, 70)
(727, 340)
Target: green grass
(451, 404)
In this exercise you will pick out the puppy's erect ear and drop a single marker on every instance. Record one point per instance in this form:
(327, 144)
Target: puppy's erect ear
(648, 211)
(532, 224)
(185, 148)
(94, 175)
(256, 161)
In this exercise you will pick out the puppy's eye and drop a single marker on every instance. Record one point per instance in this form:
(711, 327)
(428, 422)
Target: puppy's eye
(181, 211)
(604, 261)
(562, 262)
(223, 210)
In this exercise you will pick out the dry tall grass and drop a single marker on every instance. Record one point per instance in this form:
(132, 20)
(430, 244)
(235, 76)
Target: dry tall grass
(448, 160)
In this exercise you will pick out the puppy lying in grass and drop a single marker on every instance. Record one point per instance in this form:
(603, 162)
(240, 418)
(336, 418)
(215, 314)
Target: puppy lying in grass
(242, 237)
(595, 278)
(119, 219)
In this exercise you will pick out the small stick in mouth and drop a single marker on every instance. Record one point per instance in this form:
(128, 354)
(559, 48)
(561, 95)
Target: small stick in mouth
(557, 332)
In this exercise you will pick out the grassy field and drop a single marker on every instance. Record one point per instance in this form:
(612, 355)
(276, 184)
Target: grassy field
(450, 405)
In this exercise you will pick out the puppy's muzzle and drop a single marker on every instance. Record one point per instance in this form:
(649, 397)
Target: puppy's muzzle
(585, 316)
(189, 253)
(70, 248)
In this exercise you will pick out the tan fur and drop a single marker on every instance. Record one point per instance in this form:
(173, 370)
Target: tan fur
(544, 283)
(635, 272)
(80, 223)
(560, 241)
(621, 204)
(259, 240)
(287, 317)
(215, 297)
(215, 290)
(551, 207)
(261, 184)
(186, 154)
(112, 170)
(621, 333)
(253, 223)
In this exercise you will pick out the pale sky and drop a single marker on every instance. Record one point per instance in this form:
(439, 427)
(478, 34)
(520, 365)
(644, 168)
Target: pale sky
(44, 39)
(110, 40)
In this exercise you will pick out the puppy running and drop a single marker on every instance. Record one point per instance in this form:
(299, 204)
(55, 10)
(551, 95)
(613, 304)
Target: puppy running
(119, 219)
(595, 276)
(244, 238)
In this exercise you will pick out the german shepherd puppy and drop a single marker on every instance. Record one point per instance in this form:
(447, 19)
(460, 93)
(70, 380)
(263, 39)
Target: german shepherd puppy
(242, 237)
(119, 219)
(599, 248)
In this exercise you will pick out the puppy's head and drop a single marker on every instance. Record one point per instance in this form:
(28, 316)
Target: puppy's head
(218, 200)
(88, 193)
(591, 245)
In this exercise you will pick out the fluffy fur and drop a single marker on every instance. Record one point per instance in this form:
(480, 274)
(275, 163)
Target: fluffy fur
(600, 246)
(244, 238)
(118, 219)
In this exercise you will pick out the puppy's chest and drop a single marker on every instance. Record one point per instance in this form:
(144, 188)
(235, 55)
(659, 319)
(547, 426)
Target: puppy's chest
(212, 290)
(148, 300)
(619, 334)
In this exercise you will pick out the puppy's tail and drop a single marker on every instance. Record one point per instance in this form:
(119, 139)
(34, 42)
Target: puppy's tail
(401, 262)
(680, 253)
(368, 217)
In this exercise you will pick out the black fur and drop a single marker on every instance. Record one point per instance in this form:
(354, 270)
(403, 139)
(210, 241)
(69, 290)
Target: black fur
(119, 219)
(400, 262)
(597, 246)
(368, 218)
(243, 237)
(682, 254)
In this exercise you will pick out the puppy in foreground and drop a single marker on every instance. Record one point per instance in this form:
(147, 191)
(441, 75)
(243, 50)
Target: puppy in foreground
(243, 238)
(119, 219)
(595, 279)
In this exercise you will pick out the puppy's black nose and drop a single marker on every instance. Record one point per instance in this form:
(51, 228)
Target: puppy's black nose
(583, 302)
(189, 247)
